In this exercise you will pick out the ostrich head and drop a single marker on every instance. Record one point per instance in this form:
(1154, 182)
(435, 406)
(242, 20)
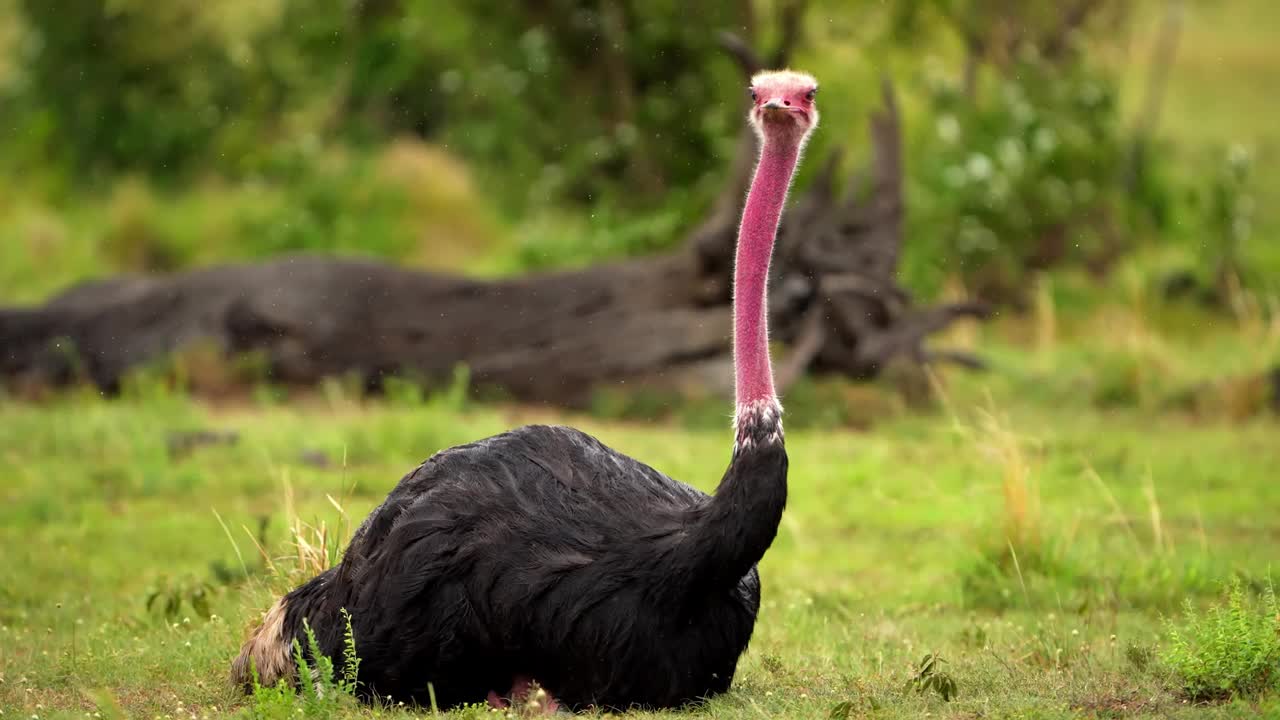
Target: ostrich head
(783, 104)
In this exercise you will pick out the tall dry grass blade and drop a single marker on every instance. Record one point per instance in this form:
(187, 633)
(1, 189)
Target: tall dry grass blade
(961, 335)
(1203, 536)
(940, 392)
(1243, 304)
(1162, 542)
(1273, 321)
(1046, 314)
(1021, 494)
(234, 546)
(266, 557)
(1115, 505)
(1026, 596)
(288, 493)
(335, 504)
(316, 547)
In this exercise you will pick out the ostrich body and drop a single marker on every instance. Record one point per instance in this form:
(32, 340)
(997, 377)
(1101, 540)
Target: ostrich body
(541, 554)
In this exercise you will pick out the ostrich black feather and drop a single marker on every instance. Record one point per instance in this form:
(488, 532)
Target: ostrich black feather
(543, 553)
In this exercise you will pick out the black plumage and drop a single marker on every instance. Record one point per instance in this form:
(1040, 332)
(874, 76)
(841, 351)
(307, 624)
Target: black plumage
(543, 553)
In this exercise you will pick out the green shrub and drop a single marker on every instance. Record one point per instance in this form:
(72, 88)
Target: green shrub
(175, 91)
(1233, 649)
(1022, 176)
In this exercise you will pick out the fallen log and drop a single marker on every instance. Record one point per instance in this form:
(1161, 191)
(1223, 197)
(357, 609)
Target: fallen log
(550, 337)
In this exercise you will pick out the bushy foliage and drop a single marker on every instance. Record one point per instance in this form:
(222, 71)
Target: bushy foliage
(587, 101)
(1232, 649)
(1022, 175)
(337, 205)
(603, 126)
(554, 96)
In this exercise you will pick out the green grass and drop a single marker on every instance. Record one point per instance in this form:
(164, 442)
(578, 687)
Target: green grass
(1034, 538)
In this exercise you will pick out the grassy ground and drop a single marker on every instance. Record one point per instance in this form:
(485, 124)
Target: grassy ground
(1035, 529)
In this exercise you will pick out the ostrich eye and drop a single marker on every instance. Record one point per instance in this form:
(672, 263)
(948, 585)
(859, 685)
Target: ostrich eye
(754, 96)
(811, 94)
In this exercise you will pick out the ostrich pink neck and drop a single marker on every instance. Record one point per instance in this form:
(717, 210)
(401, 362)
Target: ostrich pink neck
(760, 216)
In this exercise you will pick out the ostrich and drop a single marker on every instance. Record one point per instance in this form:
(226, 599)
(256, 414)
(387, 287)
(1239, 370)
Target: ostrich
(542, 556)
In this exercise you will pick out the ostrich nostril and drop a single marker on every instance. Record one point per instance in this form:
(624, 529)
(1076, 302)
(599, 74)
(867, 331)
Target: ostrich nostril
(786, 102)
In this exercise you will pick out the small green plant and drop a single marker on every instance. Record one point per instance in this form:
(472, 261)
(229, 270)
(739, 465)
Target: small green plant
(846, 709)
(1231, 650)
(842, 710)
(929, 676)
(350, 660)
(322, 689)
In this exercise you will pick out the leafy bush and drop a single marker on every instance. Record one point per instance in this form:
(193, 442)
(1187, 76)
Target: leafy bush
(562, 240)
(1021, 176)
(606, 85)
(1233, 649)
(120, 85)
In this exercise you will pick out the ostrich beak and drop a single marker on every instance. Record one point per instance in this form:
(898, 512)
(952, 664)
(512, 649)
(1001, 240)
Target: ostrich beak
(774, 110)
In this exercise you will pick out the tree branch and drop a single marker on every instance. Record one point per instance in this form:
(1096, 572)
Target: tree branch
(813, 335)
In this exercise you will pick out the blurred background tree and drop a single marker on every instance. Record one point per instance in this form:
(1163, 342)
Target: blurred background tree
(489, 137)
(570, 99)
